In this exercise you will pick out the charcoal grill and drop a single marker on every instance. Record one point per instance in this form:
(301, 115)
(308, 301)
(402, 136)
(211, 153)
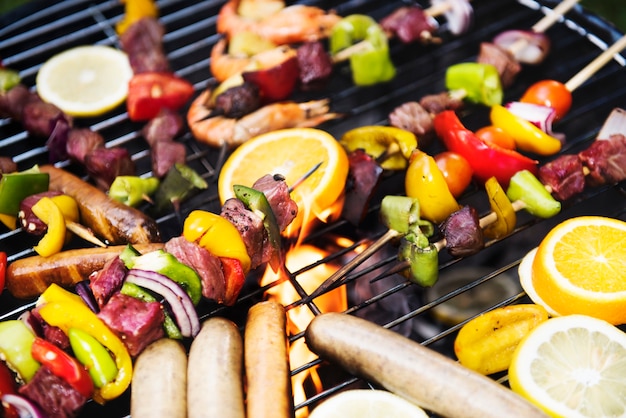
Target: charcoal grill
(33, 33)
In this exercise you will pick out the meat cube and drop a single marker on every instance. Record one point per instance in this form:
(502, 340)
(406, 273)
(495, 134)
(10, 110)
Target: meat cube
(12, 102)
(81, 141)
(7, 165)
(108, 281)
(277, 193)
(56, 397)
(164, 127)
(564, 175)
(410, 24)
(314, 62)
(504, 62)
(413, 117)
(606, 160)
(251, 228)
(437, 103)
(105, 164)
(363, 179)
(135, 322)
(39, 118)
(48, 332)
(208, 266)
(143, 42)
(165, 154)
(463, 233)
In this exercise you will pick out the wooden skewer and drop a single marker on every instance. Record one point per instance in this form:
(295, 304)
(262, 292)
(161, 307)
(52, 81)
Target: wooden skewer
(84, 232)
(591, 68)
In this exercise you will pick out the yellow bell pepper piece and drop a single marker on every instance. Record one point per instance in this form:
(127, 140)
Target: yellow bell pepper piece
(9, 221)
(61, 309)
(425, 182)
(52, 242)
(217, 235)
(502, 209)
(395, 145)
(135, 10)
(528, 137)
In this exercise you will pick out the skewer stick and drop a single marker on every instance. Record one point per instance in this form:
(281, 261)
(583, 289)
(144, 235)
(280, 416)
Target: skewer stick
(591, 68)
(84, 232)
(305, 176)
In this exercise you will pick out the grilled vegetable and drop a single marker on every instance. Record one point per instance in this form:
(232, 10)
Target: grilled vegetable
(527, 136)
(16, 341)
(477, 82)
(15, 187)
(538, 201)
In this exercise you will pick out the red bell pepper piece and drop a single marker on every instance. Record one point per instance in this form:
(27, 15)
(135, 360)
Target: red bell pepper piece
(486, 159)
(234, 277)
(7, 385)
(3, 269)
(150, 92)
(63, 365)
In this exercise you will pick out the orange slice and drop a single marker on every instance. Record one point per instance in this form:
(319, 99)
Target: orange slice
(291, 153)
(580, 268)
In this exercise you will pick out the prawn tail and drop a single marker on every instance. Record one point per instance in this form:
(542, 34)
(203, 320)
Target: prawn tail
(316, 112)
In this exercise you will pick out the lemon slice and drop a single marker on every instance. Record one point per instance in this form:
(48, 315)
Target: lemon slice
(86, 80)
(366, 403)
(572, 366)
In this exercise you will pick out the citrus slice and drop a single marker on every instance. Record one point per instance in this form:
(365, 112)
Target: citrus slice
(291, 153)
(367, 403)
(85, 80)
(580, 268)
(572, 366)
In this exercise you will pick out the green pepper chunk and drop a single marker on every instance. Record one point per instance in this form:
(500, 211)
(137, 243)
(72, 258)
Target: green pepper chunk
(423, 259)
(402, 214)
(371, 62)
(538, 201)
(128, 255)
(16, 341)
(137, 292)
(479, 83)
(15, 187)
(256, 201)
(8, 79)
(166, 264)
(91, 354)
(180, 183)
(132, 190)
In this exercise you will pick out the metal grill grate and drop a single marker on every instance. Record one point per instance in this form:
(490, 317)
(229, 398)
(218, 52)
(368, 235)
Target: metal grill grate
(37, 31)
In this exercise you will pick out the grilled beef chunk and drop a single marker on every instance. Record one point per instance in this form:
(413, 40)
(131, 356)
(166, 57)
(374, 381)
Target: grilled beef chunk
(164, 127)
(413, 117)
(7, 165)
(105, 164)
(55, 397)
(606, 160)
(48, 332)
(57, 141)
(314, 63)
(39, 118)
(564, 175)
(363, 179)
(13, 101)
(463, 233)
(251, 228)
(277, 193)
(135, 322)
(238, 101)
(410, 24)
(108, 281)
(208, 266)
(504, 62)
(142, 41)
(81, 141)
(165, 154)
(437, 103)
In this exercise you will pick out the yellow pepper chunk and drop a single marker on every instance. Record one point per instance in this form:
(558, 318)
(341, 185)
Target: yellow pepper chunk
(486, 343)
(61, 309)
(394, 143)
(217, 235)
(52, 242)
(502, 209)
(134, 11)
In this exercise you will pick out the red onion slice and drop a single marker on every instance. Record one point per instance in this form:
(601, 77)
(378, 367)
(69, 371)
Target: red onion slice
(179, 301)
(85, 293)
(540, 116)
(526, 46)
(25, 407)
(459, 15)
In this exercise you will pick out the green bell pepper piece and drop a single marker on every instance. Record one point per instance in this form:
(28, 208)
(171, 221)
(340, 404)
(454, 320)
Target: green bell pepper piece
(256, 201)
(132, 190)
(128, 256)
(423, 259)
(402, 214)
(538, 201)
(137, 292)
(91, 354)
(8, 79)
(16, 341)
(15, 187)
(180, 183)
(370, 64)
(479, 83)
(166, 264)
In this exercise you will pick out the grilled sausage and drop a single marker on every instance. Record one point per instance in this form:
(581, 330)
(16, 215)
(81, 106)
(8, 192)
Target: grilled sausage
(405, 367)
(112, 220)
(214, 371)
(159, 386)
(266, 362)
(29, 277)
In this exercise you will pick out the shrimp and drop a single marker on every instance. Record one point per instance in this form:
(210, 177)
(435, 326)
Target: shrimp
(292, 24)
(218, 131)
(224, 65)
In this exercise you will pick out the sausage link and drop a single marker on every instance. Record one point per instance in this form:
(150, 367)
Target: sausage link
(214, 372)
(159, 386)
(408, 369)
(267, 363)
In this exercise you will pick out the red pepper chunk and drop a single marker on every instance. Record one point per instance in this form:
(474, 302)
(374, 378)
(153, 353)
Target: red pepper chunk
(487, 160)
(150, 92)
(63, 365)
(7, 386)
(234, 277)
(3, 269)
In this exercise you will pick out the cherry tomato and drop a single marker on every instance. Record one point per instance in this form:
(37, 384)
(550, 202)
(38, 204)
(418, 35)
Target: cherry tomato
(456, 171)
(3, 268)
(150, 92)
(549, 93)
(495, 135)
(7, 385)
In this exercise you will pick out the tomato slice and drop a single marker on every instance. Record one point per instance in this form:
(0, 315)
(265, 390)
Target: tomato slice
(63, 365)
(150, 92)
(456, 170)
(495, 135)
(549, 93)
